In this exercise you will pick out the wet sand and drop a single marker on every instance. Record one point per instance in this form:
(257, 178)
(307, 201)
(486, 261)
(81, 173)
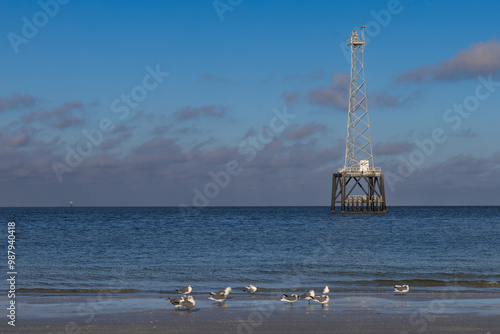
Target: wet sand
(261, 313)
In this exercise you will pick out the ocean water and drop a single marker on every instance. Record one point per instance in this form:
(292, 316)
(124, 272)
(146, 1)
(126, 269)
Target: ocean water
(157, 250)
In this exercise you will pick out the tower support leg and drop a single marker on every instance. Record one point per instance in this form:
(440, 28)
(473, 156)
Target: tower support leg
(334, 194)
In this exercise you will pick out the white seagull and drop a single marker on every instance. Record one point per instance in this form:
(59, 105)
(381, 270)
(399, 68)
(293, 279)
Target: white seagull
(188, 303)
(225, 292)
(324, 299)
(185, 290)
(289, 298)
(401, 288)
(308, 296)
(326, 290)
(218, 297)
(176, 302)
(250, 289)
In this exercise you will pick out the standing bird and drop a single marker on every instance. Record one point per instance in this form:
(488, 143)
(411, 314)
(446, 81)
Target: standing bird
(289, 298)
(176, 302)
(401, 288)
(326, 290)
(218, 297)
(324, 299)
(225, 291)
(188, 303)
(185, 290)
(250, 289)
(308, 296)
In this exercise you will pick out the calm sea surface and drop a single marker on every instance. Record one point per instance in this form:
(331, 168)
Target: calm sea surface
(276, 248)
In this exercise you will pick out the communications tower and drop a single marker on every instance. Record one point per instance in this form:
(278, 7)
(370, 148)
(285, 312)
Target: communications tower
(358, 187)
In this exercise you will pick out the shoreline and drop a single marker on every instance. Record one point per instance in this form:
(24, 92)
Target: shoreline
(453, 312)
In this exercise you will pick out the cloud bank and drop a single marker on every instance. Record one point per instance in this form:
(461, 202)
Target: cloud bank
(482, 58)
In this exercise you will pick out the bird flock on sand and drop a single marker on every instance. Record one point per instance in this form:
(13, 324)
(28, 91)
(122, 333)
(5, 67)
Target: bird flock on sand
(188, 302)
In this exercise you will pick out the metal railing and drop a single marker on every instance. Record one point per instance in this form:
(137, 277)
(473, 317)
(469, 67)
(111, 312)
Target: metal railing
(361, 170)
(354, 198)
(355, 41)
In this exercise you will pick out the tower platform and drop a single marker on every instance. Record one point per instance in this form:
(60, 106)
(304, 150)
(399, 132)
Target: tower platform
(358, 191)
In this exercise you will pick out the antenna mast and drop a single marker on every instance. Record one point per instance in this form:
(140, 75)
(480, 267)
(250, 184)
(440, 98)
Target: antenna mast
(358, 142)
(365, 193)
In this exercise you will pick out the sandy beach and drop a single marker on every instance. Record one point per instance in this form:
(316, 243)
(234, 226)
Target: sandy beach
(260, 313)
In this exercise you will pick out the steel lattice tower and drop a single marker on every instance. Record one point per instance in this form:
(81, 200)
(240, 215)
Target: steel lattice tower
(359, 186)
(358, 142)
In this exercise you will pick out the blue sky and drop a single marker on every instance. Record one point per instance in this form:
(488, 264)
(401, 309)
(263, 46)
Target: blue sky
(224, 71)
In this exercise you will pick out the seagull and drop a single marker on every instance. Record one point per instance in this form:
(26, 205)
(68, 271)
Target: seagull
(185, 290)
(176, 302)
(218, 297)
(323, 299)
(188, 303)
(289, 298)
(251, 288)
(401, 288)
(326, 290)
(225, 292)
(308, 296)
